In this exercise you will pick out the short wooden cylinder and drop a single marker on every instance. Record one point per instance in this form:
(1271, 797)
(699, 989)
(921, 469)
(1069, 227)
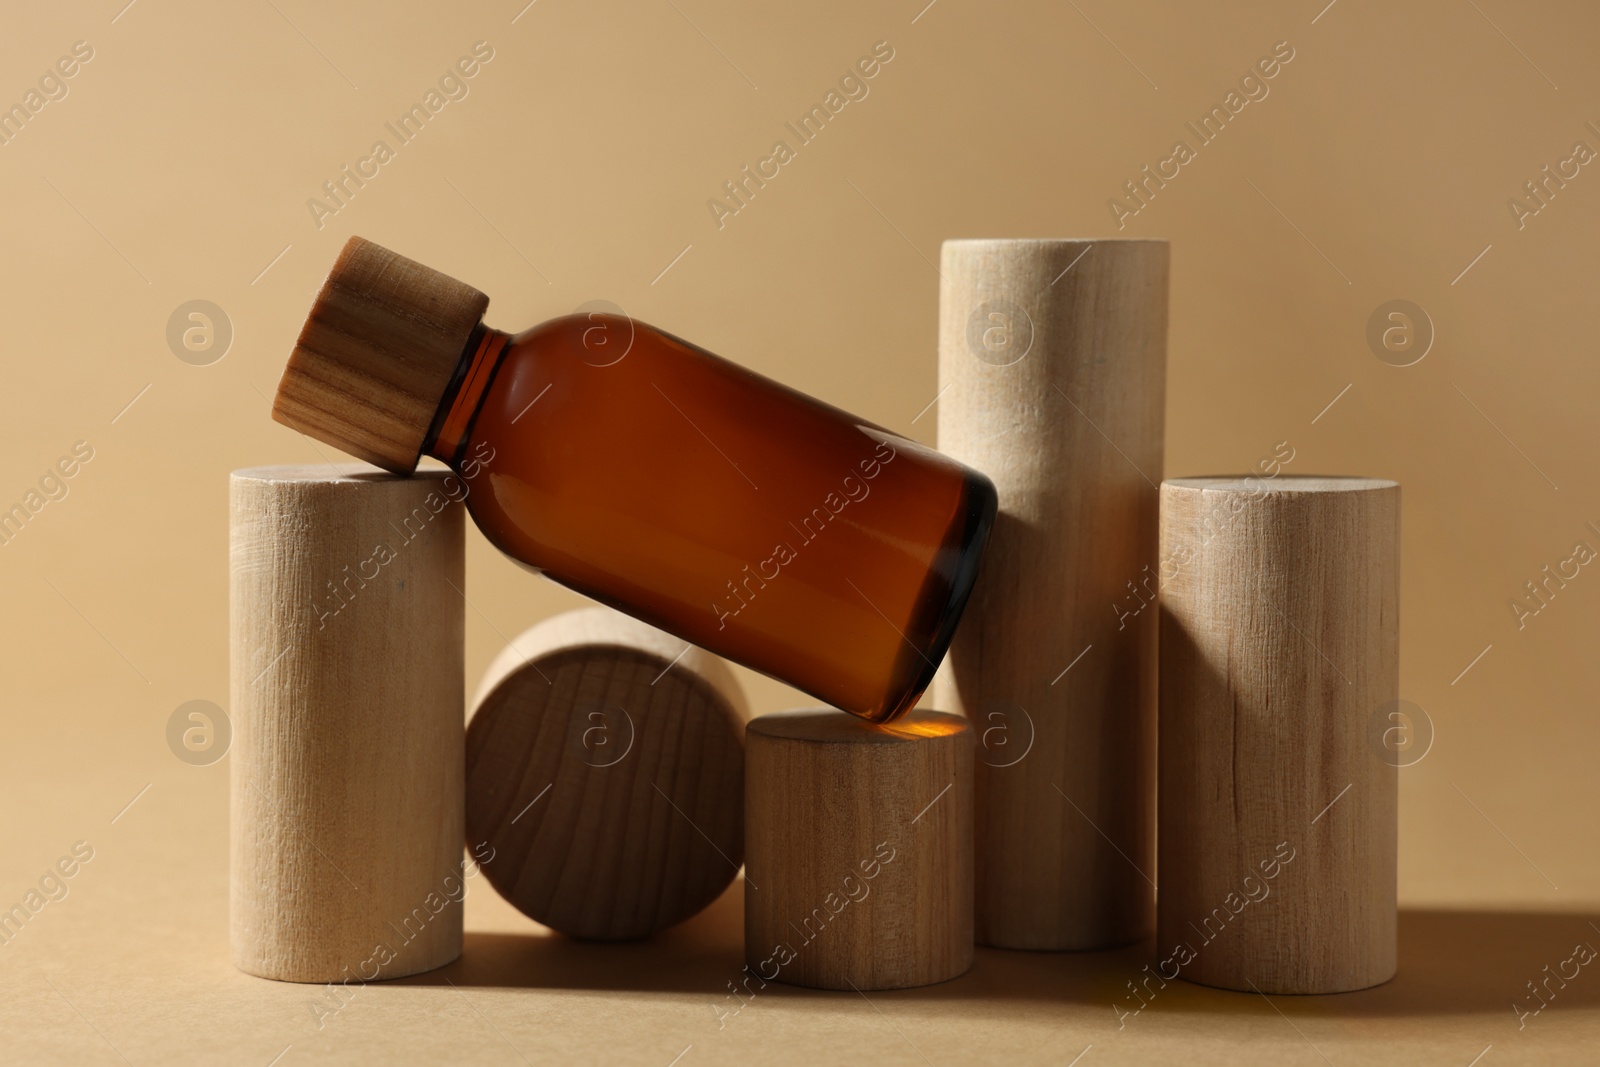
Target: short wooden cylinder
(605, 769)
(858, 850)
(346, 665)
(1279, 668)
(1052, 371)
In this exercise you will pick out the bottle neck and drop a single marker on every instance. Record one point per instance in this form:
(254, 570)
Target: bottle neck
(452, 423)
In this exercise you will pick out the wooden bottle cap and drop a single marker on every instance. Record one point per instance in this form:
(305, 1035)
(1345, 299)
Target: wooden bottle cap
(858, 838)
(605, 766)
(376, 355)
(346, 764)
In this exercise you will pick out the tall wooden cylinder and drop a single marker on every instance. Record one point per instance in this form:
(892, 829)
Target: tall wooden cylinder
(347, 765)
(858, 851)
(1052, 370)
(1279, 652)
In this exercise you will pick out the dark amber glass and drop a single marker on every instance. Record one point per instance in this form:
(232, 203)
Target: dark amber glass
(716, 504)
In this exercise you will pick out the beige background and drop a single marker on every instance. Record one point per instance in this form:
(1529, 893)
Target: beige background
(178, 167)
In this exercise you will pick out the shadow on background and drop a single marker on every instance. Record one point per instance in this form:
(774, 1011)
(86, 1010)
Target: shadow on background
(1451, 963)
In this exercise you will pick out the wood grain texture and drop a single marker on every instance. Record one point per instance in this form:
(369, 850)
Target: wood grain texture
(858, 850)
(376, 354)
(346, 667)
(1052, 361)
(1279, 645)
(605, 767)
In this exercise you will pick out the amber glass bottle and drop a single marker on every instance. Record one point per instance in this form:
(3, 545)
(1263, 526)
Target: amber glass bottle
(649, 474)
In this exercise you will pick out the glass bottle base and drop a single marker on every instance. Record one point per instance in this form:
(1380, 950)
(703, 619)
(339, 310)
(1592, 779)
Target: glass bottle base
(982, 502)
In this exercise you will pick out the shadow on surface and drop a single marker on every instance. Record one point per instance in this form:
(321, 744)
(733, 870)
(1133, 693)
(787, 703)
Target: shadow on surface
(700, 955)
(1451, 963)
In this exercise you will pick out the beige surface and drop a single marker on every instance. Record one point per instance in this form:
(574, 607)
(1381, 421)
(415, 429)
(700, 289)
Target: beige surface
(139, 947)
(178, 167)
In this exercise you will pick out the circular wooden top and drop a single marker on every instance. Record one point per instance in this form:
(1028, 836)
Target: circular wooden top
(607, 776)
(1283, 483)
(830, 726)
(1073, 241)
(333, 473)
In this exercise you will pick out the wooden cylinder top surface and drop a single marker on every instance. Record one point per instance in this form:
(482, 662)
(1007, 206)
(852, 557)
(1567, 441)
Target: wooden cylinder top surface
(831, 726)
(1282, 483)
(337, 474)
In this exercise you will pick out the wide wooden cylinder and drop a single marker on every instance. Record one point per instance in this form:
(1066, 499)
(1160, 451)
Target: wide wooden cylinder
(346, 667)
(1279, 669)
(1052, 365)
(605, 769)
(858, 851)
